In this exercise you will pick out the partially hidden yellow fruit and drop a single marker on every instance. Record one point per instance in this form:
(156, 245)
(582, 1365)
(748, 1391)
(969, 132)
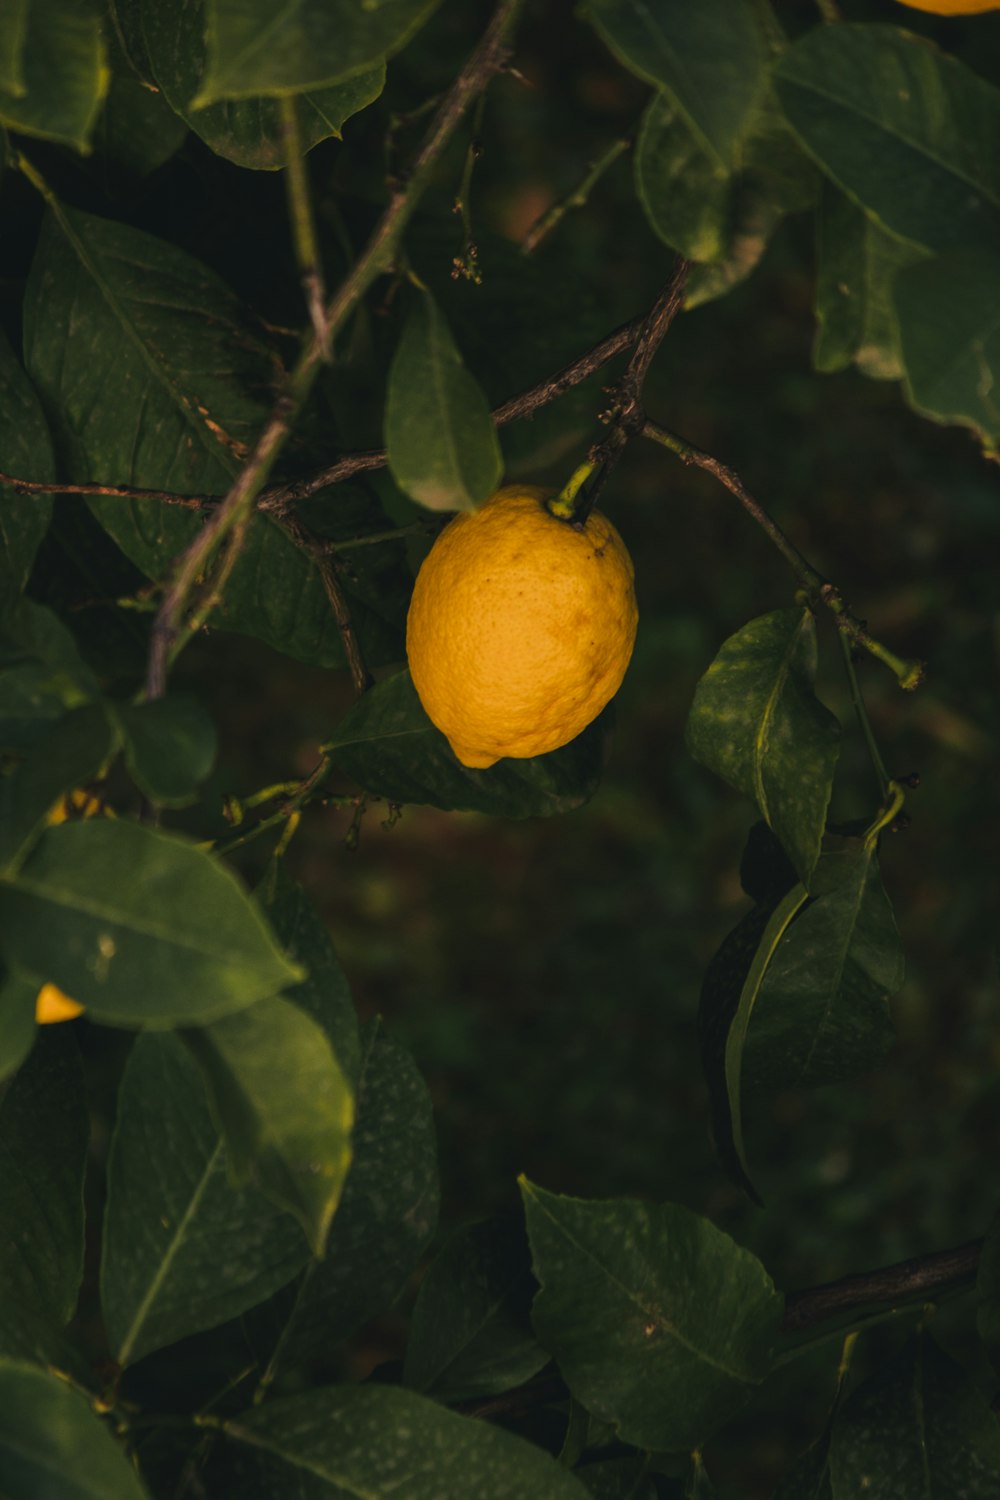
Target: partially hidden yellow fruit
(52, 1005)
(953, 7)
(520, 628)
(78, 803)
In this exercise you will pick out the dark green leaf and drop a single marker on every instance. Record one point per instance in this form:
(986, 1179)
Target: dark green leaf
(18, 998)
(25, 450)
(757, 723)
(324, 994)
(284, 1107)
(388, 744)
(657, 1320)
(809, 1476)
(139, 926)
(903, 129)
(618, 1479)
(255, 47)
(949, 331)
(52, 1444)
(440, 437)
(169, 747)
(857, 262)
(44, 1130)
(183, 1249)
(388, 1212)
(711, 58)
(920, 1428)
(59, 73)
(75, 750)
(470, 1334)
(988, 1291)
(383, 1443)
(137, 129)
(822, 1014)
(246, 130)
(41, 675)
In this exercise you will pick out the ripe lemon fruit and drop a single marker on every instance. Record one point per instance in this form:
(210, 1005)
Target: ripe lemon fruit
(953, 7)
(52, 1006)
(521, 627)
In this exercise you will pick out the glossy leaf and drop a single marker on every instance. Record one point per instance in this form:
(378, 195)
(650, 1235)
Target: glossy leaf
(44, 1130)
(111, 309)
(284, 1107)
(857, 262)
(169, 747)
(137, 129)
(470, 1334)
(246, 131)
(388, 1212)
(139, 926)
(18, 997)
(388, 744)
(710, 58)
(822, 1011)
(949, 330)
(383, 1443)
(57, 70)
(25, 450)
(255, 47)
(919, 1427)
(439, 434)
(75, 750)
(183, 1249)
(757, 723)
(904, 129)
(42, 675)
(52, 1442)
(658, 1322)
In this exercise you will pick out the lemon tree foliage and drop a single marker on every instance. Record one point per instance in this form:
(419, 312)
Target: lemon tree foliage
(285, 284)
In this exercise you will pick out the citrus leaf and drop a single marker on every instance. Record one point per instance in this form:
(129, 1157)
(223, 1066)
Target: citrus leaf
(74, 751)
(44, 1130)
(283, 1105)
(809, 1476)
(52, 1442)
(903, 129)
(18, 997)
(470, 1333)
(383, 1443)
(169, 747)
(757, 723)
(257, 47)
(949, 330)
(139, 926)
(388, 744)
(42, 675)
(184, 1250)
(57, 69)
(137, 129)
(658, 1322)
(857, 262)
(439, 434)
(25, 450)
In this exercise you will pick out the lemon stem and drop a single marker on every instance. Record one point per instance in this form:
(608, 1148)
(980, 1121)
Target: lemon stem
(564, 505)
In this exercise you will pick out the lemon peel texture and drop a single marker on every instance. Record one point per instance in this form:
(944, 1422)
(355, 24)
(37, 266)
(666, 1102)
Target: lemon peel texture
(520, 628)
(953, 7)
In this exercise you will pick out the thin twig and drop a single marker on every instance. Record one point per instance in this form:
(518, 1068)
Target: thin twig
(117, 491)
(300, 213)
(546, 222)
(909, 672)
(327, 569)
(906, 1279)
(861, 714)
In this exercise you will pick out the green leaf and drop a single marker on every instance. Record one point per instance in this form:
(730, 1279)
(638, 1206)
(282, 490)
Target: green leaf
(388, 1212)
(75, 750)
(857, 262)
(903, 129)
(949, 330)
(42, 675)
(325, 993)
(388, 744)
(988, 1293)
(139, 926)
(658, 1322)
(919, 1427)
(255, 47)
(757, 723)
(822, 1014)
(137, 129)
(383, 1443)
(58, 70)
(470, 1333)
(711, 58)
(18, 998)
(44, 1130)
(618, 1479)
(183, 1249)
(440, 436)
(246, 131)
(809, 1476)
(109, 308)
(284, 1107)
(25, 450)
(169, 747)
(53, 1444)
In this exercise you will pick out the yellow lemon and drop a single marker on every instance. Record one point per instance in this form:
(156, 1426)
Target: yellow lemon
(953, 7)
(521, 627)
(52, 1005)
